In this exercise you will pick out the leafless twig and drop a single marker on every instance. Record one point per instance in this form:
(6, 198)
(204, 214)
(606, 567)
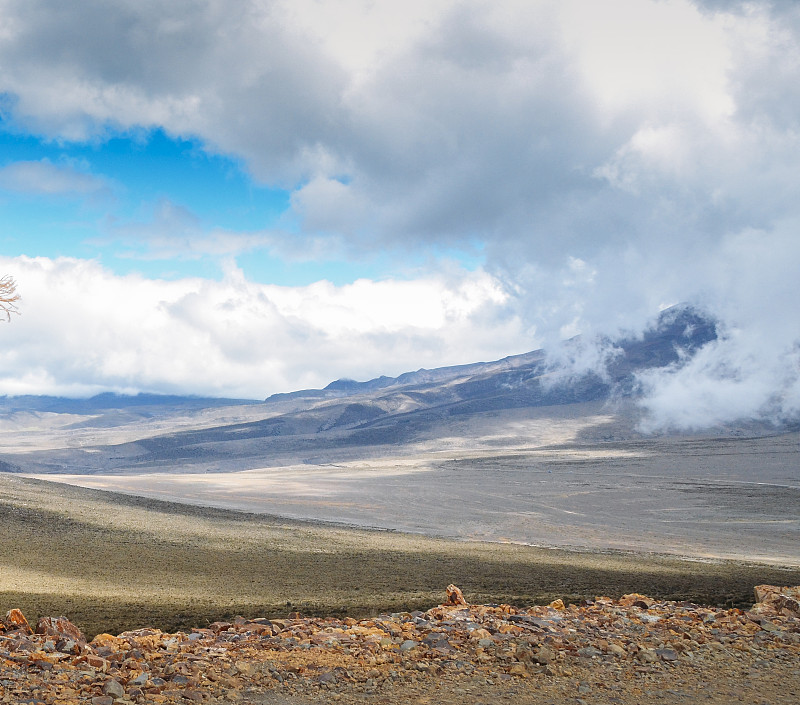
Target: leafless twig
(8, 296)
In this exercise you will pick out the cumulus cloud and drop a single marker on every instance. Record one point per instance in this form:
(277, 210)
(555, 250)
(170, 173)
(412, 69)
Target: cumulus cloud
(84, 330)
(610, 161)
(245, 81)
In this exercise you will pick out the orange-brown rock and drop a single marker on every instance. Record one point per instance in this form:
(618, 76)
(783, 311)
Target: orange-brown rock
(634, 599)
(59, 627)
(599, 651)
(109, 640)
(770, 598)
(16, 620)
(455, 596)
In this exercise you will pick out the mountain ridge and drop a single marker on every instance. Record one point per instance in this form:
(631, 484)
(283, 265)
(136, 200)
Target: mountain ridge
(351, 418)
(658, 347)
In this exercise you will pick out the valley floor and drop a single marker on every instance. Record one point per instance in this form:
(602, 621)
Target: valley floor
(723, 498)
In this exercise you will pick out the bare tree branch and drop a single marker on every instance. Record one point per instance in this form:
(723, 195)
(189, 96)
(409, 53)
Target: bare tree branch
(8, 296)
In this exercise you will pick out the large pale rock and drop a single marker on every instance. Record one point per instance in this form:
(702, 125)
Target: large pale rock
(108, 640)
(617, 651)
(519, 670)
(647, 655)
(545, 655)
(480, 633)
(762, 592)
(113, 689)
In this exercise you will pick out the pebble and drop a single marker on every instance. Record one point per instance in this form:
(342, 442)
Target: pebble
(114, 690)
(490, 645)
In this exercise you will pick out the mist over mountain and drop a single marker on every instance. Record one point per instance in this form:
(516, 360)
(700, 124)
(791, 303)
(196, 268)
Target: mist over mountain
(349, 418)
(542, 378)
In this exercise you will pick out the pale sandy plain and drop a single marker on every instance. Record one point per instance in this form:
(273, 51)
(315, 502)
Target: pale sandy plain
(545, 477)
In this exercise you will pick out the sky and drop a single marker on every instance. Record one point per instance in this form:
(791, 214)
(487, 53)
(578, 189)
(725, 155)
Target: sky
(200, 197)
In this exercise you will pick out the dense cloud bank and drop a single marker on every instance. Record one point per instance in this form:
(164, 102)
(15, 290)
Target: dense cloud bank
(609, 163)
(84, 330)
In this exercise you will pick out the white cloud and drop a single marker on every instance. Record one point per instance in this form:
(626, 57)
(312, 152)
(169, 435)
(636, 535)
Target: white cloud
(654, 141)
(753, 371)
(655, 58)
(442, 121)
(84, 329)
(726, 382)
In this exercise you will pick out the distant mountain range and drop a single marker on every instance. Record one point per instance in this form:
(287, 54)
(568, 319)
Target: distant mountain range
(347, 415)
(510, 382)
(109, 401)
(523, 379)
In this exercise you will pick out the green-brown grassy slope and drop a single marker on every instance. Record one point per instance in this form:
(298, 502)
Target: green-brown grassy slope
(111, 562)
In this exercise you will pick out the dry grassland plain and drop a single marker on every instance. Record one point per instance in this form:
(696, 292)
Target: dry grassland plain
(112, 562)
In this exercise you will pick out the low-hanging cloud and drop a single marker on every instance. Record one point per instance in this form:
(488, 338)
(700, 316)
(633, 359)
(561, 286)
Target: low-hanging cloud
(610, 162)
(753, 370)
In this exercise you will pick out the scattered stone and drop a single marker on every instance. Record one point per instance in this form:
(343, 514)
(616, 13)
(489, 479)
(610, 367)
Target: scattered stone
(617, 650)
(479, 634)
(455, 646)
(544, 655)
(774, 600)
(141, 679)
(647, 655)
(107, 640)
(518, 669)
(634, 599)
(114, 690)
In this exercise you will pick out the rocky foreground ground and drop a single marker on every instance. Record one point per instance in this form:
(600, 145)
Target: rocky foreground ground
(631, 650)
